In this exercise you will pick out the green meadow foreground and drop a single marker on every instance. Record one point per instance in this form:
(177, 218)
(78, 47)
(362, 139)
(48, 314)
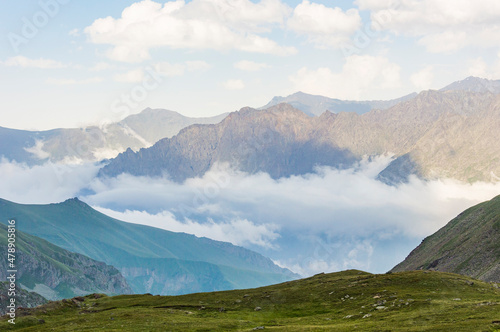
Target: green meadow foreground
(344, 301)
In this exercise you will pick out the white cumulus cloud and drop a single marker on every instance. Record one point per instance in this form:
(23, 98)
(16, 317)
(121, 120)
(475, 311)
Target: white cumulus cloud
(362, 77)
(479, 68)
(422, 79)
(441, 26)
(324, 26)
(199, 24)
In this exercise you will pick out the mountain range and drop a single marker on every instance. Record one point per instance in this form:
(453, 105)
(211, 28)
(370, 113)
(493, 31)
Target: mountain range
(474, 84)
(432, 135)
(151, 260)
(437, 134)
(94, 143)
(467, 245)
(314, 105)
(56, 273)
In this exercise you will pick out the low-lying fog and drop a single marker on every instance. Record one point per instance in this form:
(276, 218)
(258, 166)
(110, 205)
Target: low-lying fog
(327, 221)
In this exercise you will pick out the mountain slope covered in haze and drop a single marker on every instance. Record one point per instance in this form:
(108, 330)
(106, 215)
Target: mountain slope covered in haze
(56, 273)
(94, 143)
(440, 134)
(474, 84)
(314, 105)
(152, 260)
(468, 245)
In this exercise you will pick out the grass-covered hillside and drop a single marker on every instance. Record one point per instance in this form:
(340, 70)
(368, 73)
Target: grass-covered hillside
(468, 245)
(152, 260)
(344, 301)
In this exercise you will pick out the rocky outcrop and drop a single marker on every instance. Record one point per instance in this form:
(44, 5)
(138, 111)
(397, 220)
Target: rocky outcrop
(23, 298)
(56, 273)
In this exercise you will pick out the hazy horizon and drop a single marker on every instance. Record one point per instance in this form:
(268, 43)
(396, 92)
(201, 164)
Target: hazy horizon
(82, 62)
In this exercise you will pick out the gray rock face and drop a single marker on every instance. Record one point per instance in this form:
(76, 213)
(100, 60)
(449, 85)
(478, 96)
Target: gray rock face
(57, 273)
(23, 298)
(278, 141)
(447, 134)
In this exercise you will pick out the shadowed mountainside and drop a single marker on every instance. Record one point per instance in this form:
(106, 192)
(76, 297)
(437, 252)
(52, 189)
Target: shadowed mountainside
(439, 134)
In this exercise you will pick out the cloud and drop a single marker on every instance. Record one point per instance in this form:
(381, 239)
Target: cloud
(100, 66)
(422, 79)
(239, 232)
(442, 26)
(44, 184)
(330, 220)
(70, 81)
(234, 84)
(37, 150)
(324, 26)
(250, 65)
(326, 221)
(199, 24)
(197, 65)
(22, 61)
(132, 76)
(479, 68)
(168, 69)
(74, 32)
(362, 77)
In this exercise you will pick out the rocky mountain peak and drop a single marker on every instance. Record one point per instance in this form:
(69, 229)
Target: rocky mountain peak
(474, 84)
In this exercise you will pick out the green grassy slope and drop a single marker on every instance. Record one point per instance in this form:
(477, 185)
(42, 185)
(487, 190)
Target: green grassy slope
(468, 245)
(57, 273)
(75, 226)
(344, 301)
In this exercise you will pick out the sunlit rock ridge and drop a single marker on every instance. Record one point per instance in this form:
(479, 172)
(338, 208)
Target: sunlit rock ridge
(438, 134)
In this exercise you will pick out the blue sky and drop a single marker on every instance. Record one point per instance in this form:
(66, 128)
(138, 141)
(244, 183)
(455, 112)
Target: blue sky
(88, 62)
